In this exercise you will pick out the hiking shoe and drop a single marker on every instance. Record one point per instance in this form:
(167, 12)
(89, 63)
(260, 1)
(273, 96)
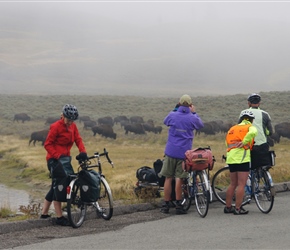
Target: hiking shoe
(229, 210)
(240, 211)
(45, 216)
(180, 210)
(172, 204)
(62, 221)
(165, 209)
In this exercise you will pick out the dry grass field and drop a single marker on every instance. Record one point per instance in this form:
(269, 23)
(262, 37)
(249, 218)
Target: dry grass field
(24, 167)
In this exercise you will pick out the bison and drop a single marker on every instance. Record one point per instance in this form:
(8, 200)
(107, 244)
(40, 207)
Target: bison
(157, 130)
(224, 127)
(104, 130)
(136, 119)
(207, 129)
(134, 128)
(38, 136)
(84, 118)
(120, 118)
(21, 117)
(148, 127)
(106, 120)
(51, 120)
(283, 130)
(89, 124)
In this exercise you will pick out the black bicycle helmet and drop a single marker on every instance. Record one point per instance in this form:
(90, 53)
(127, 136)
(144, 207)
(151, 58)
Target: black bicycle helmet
(70, 111)
(254, 98)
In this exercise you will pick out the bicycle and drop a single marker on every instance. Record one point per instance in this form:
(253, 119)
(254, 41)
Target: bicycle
(76, 207)
(197, 187)
(261, 186)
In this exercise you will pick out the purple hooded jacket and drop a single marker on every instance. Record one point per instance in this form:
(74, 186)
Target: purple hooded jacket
(182, 124)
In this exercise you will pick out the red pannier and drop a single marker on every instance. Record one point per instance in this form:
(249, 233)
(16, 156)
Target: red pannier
(198, 159)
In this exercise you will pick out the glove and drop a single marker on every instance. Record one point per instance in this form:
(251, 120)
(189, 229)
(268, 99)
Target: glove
(82, 156)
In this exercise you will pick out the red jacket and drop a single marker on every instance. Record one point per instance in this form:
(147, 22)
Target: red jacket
(61, 138)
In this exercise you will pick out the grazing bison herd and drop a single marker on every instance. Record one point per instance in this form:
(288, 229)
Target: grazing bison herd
(135, 124)
(102, 126)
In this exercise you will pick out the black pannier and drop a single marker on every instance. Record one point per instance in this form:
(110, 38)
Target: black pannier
(60, 174)
(59, 188)
(146, 174)
(90, 185)
(157, 165)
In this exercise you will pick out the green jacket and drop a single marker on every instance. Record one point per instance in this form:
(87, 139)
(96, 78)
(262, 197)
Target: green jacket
(241, 155)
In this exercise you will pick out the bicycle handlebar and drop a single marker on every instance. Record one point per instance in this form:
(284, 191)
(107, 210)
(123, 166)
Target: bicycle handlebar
(97, 155)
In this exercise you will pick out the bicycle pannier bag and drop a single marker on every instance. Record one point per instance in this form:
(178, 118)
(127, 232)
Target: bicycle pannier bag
(90, 185)
(59, 188)
(198, 159)
(63, 168)
(146, 174)
(157, 165)
(60, 174)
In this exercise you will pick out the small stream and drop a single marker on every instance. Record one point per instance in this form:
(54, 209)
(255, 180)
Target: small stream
(13, 198)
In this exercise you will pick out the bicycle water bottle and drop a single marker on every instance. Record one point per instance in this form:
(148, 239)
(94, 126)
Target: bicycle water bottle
(248, 189)
(190, 179)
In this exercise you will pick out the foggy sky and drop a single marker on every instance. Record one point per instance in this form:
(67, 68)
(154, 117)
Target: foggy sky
(144, 48)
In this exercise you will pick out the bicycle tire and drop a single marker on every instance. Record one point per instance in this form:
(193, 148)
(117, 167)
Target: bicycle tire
(186, 199)
(76, 208)
(202, 195)
(262, 191)
(220, 182)
(104, 205)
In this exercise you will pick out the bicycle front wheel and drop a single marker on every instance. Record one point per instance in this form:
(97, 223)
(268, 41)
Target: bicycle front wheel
(202, 195)
(262, 191)
(220, 182)
(104, 205)
(76, 208)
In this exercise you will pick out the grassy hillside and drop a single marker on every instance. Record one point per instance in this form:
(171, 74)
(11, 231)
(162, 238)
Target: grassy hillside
(24, 166)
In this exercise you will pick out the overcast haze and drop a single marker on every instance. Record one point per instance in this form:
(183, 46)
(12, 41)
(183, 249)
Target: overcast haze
(144, 48)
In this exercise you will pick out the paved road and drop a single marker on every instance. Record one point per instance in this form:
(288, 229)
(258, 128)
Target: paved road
(153, 230)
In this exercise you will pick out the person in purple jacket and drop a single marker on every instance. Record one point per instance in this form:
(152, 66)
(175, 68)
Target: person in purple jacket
(182, 124)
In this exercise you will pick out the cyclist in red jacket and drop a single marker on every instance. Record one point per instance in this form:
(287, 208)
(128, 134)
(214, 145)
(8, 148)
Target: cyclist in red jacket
(60, 139)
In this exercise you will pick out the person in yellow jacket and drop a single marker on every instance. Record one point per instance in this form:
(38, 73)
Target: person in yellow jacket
(239, 141)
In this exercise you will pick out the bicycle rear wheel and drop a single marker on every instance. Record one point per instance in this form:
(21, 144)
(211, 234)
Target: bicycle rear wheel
(220, 182)
(262, 191)
(186, 199)
(104, 205)
(76, 208)
(202, 195)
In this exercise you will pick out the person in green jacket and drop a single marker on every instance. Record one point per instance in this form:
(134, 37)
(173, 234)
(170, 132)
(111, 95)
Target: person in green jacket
(239, 141)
